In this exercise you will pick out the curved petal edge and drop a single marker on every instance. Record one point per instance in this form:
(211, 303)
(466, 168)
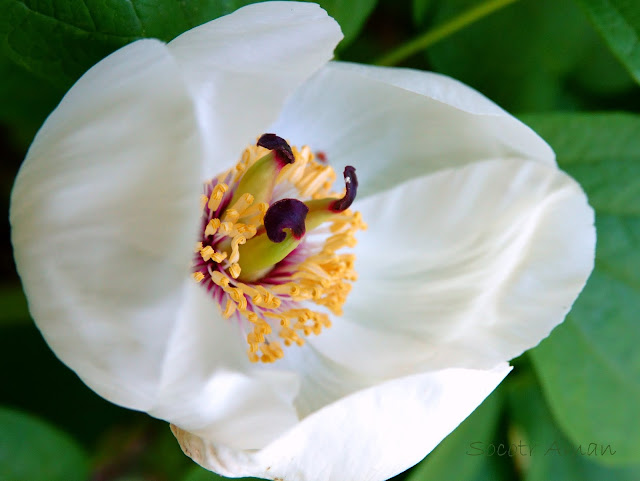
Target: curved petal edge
(370, 435)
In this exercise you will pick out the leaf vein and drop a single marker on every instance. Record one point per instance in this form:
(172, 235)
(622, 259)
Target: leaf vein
(75, 27)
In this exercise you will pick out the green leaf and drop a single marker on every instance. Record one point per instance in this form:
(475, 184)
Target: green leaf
(24, 97)
(525, 55)
(601, 74)
(200, 474)
(420, 10)
(351, 15)
(163, 457)
(36, 381)
(32, 450)
(59, 41)
(13, 307)
(619, 23)
(463, 454)
(544, 452)
(590, 366)
(25, 101)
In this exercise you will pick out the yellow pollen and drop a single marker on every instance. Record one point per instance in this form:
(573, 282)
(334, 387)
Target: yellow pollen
(218, 256)
(234, 270)
(235, 247)
(212, 227)
(242, 204)
(220, 279)
(270, 310)
(225, 228)
(229, 310)
(217, 195)
(206, 253)
(231, 216)
(289, 288)
(247, 230)
(198, 276)
(256, 213)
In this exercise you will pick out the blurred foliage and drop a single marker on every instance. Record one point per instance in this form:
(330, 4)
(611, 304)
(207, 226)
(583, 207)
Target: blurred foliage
(25, 101)
(544, 453)
(59, 41)
(595, 350)
(540, 67)
(32, 450)
(580, 386)
(469, 447)
(14, 307)
(199, 474)
(619, 23)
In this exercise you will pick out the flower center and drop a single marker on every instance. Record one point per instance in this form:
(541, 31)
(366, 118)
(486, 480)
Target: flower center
(271, 229)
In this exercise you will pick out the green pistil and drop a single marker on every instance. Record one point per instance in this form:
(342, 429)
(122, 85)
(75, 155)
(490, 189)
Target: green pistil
(284, 225)
(259, 255)
(319, 212)
(259, 179)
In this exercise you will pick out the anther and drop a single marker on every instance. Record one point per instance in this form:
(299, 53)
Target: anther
(216, 196)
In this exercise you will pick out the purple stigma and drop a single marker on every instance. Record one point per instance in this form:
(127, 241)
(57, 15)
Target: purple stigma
(279, 146)
(351, 183)
(285, 213)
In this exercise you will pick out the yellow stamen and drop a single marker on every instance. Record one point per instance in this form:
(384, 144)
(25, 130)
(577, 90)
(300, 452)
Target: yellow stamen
(234, 270)
(235, 250)
(219, 278)
(242, 204)
(218, 256)
(256, 213)
(229, 310)
(231, 216)
(217, 195)
(206, 253)
(198, 276)
(212, 227)
(225, 228)
(246, 230)
(270, 310)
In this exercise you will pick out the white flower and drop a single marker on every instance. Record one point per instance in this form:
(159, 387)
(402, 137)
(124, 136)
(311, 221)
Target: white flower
(476, 248)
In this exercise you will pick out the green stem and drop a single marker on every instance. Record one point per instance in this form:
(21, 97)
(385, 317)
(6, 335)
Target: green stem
(442, 31)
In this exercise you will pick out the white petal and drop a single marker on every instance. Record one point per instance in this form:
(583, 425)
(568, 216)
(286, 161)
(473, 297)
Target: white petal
(242, 66)
(397, 124)
(464, 268)
(212, 390)
(368, 436)
(323, 381)
(103, 219)
(209, 387)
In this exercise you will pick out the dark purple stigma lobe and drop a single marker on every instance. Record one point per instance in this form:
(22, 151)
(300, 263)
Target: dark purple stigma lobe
(285, 213)
(351, 184)
(279, 146)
